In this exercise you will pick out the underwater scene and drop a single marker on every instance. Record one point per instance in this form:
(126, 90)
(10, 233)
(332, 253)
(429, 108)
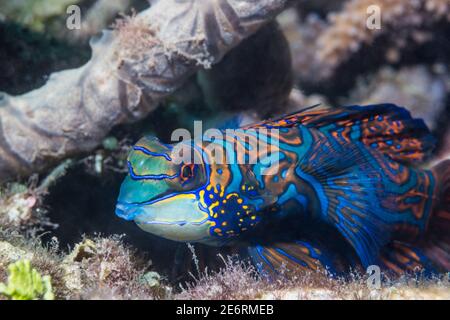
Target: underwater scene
(224, 150)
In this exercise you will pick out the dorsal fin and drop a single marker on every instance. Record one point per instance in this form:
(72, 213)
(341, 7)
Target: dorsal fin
(385, 127)
(290, 119)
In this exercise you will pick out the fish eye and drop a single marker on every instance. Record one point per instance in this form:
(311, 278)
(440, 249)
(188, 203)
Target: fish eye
(187, 171)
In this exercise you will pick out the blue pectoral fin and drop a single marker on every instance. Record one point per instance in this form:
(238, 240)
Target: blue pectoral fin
(398, 257)
(348, 189)
(291, 257)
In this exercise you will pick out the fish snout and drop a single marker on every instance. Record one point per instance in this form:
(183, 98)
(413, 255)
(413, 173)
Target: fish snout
(125, 211)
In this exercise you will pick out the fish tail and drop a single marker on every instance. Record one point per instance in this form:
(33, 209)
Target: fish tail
(431, 252)
(436, 244)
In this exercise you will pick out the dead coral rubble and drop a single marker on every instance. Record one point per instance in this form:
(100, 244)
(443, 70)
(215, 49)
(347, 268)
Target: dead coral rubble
(107, 266)
(104, 268)
(239, 280)
(96, 268)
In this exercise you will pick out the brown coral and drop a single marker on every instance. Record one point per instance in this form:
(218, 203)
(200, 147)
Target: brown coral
(346, 32)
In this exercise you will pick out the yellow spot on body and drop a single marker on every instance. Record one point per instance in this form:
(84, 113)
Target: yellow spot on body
(244, 207)
(211, 196)
(224, 223)
(217, 230)
(209, 187)
(231, 195)
(202, 198)
(253, 217)
(222, 211)
(241, 220)
(215, 204)
(239, 201)
(224, 201)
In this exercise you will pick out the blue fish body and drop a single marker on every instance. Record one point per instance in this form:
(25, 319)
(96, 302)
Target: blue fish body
(316, 189)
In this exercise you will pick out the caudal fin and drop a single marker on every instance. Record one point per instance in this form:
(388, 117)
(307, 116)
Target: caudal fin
(437, 239)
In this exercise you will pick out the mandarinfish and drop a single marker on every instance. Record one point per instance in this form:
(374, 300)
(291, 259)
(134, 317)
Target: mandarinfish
(346, 192)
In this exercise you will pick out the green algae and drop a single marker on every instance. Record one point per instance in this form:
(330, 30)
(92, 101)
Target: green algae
(25, 283)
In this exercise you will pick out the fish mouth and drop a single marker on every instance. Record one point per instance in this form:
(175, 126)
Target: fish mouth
(131, 212)
(180, 223)
(128, 213)
(125, 212)
(179, 219)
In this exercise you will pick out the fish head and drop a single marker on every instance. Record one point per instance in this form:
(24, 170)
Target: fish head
(193, 199)
(161, 195)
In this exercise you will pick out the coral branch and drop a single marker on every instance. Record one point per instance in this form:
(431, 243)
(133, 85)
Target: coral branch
(132, 68)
